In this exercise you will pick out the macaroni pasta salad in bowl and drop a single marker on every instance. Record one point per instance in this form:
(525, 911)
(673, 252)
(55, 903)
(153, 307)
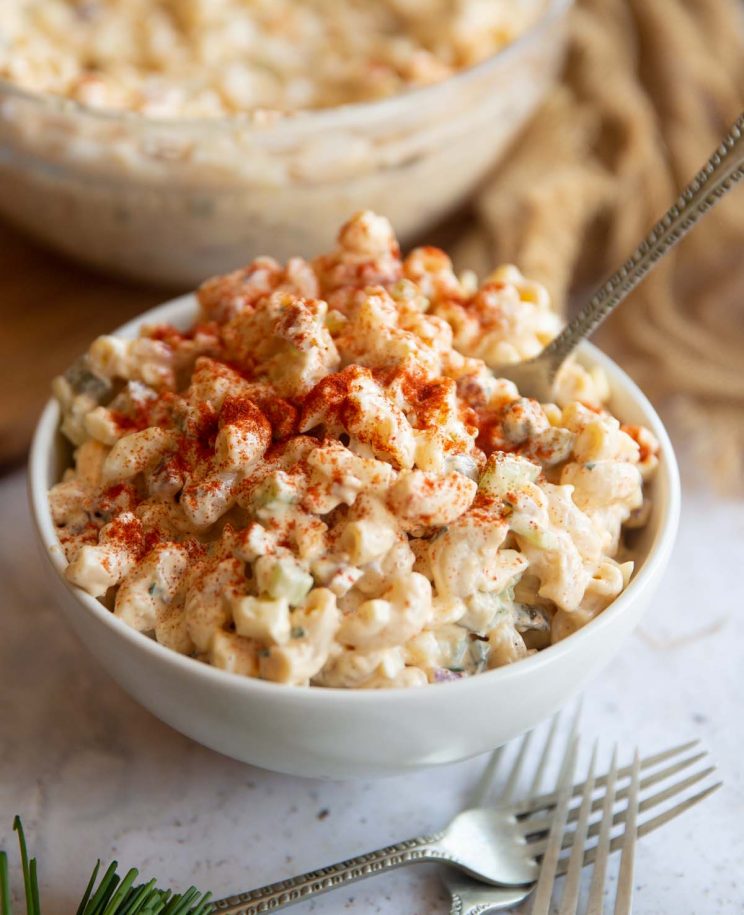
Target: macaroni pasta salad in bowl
(167, 140)
(299, 518)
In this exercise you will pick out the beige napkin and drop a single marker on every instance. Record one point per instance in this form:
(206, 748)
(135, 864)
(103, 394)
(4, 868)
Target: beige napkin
(650, 87)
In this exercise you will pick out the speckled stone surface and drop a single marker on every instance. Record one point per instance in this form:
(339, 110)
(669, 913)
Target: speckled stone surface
(93, 774)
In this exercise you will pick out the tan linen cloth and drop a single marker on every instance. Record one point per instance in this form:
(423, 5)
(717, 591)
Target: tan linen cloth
(650, 87)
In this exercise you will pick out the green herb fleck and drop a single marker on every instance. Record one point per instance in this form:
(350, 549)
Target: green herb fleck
(298, 632)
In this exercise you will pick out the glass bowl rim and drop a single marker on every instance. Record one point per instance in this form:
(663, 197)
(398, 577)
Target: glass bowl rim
(317, 118)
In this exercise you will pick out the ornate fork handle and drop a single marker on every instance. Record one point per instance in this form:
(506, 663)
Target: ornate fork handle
(724, 168)
(296, 889)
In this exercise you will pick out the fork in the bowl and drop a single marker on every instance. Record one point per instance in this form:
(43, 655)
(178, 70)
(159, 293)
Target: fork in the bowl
(536, 376)
(670, 768)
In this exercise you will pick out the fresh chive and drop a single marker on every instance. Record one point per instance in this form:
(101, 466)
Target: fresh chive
(89, 889)
(204, 906)
(4, 885)
(181, 904)
(18, 827)
(113, 896)
(105, 888)
(199, 901)
(174, 904)
(156, 903)
(35, 888)
(121, 892)
(137, 897)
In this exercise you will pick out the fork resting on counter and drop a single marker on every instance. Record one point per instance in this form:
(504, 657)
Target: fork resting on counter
(498, 853)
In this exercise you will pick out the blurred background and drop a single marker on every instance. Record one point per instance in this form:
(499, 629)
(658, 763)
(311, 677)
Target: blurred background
(557, 153)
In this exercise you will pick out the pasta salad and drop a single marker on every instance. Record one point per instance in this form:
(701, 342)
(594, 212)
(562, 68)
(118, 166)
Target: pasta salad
(322, 482)
(215, 58)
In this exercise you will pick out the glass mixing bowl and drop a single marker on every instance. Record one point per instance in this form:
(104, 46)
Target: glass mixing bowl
(173, 201)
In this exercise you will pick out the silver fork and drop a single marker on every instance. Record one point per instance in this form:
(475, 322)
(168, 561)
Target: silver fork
(468, 895)
(486, 841)
(672, 766)
(507, 839)
(721, 172)
(571, 888)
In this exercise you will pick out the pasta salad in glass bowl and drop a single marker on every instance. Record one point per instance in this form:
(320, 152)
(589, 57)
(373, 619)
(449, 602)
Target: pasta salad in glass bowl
(312, 478)
(165, 140)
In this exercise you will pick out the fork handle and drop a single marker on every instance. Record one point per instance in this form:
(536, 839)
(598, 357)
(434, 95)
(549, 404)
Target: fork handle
(296, 889)
(719, 174)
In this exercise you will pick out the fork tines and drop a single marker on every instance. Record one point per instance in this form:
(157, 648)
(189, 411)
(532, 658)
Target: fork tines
(583, 822)
(662, 784)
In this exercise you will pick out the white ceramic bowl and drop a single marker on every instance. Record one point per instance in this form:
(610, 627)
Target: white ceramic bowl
(343, 733)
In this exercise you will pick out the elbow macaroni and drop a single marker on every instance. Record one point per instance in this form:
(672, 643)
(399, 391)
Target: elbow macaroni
(322, 483)
(216, 58)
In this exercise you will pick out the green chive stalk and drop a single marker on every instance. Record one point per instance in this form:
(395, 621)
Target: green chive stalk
(112, 895)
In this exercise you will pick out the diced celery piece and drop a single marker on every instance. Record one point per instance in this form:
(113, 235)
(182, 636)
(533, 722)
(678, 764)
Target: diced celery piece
(286, 579)
(457, 659)
(277, 490)
(538, 536)
(506, 473)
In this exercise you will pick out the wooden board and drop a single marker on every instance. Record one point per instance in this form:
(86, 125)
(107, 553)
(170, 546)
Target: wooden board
(50, 309)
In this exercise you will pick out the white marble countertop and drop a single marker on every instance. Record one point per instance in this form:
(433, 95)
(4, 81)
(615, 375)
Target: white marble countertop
(93, 774)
